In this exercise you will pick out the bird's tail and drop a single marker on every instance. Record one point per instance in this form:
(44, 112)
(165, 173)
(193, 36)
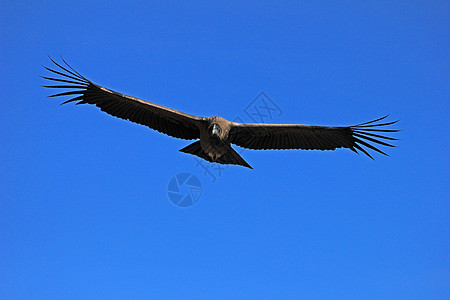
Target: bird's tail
(230, 158)
(233, 158)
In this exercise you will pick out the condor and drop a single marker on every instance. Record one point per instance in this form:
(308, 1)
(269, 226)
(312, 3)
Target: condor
(215, 134)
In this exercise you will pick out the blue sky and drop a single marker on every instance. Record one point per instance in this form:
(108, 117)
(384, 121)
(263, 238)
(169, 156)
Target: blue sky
(84, 209)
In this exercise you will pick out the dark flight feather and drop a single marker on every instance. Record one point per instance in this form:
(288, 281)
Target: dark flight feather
(157, 117)
(307, 137)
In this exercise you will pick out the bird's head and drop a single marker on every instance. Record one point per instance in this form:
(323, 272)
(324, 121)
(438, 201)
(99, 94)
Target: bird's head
(215, 131)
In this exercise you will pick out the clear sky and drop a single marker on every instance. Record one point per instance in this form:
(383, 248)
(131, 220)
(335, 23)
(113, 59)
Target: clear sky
(85, 211)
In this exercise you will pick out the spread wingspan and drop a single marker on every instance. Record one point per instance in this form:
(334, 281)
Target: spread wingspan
(307, 137)
(163, 119)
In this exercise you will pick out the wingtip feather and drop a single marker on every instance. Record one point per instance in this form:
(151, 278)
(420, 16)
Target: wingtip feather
(362, 135)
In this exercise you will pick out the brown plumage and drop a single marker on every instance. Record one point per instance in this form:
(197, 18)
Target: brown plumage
(216, 134)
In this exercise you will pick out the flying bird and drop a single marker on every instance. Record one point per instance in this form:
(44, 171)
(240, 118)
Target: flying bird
(215, 135)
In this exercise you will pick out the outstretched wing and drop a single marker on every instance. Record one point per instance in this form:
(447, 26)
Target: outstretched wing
(163, 119)
(306, 137)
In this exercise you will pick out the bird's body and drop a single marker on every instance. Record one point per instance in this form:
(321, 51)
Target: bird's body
(215, 134)
(213, 137)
